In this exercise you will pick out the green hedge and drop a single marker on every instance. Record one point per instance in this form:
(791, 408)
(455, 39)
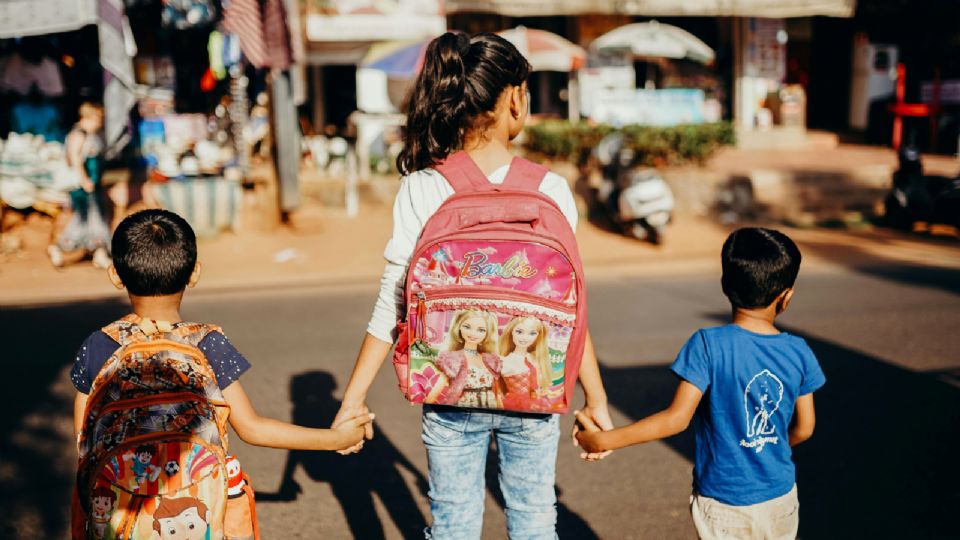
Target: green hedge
(674, 145)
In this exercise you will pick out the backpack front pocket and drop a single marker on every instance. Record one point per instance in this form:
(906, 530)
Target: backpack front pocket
(488, 349)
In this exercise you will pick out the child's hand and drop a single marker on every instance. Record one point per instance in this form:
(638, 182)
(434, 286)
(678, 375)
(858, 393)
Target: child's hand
(346, 412)
(598, 418)
(586, 435)
(352, 430)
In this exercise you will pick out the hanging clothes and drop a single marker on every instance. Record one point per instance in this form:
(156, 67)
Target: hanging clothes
(261, 26)
(20, 76)
(286, 135)
(117, 50)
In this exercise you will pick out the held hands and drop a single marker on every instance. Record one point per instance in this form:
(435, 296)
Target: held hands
(364, 419)
(352, 430)
(87, 185)
(590, 422)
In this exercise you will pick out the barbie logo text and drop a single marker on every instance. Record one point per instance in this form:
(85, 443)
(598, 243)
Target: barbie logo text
(476, 265)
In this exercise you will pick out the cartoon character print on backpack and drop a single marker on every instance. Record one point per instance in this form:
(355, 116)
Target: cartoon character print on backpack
(103, 503)
(515, 260)
(183, 518)
(139, 461)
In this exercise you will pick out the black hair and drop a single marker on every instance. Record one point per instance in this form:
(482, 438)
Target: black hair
(461, 81)
(758, 265)
(154, 252)
(146, 449)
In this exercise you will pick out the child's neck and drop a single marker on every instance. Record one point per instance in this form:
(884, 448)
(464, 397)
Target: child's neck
(758, 320)
(489, 150)
(159, 308)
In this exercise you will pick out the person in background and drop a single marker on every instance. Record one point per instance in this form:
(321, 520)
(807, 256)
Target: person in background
(82, 229)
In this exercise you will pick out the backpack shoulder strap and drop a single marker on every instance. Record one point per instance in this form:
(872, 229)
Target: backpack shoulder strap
(462, 172)
(125, 331)
(132, 329)
(194, 333)
(524, 174)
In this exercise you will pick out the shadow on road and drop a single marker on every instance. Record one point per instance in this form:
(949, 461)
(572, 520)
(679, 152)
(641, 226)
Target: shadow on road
(354, 479)
(36, 459)
(883, 460)
(859, 260)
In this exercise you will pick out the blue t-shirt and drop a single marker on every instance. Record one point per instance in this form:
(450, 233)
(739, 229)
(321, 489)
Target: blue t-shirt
(750, 384)
(225, 360)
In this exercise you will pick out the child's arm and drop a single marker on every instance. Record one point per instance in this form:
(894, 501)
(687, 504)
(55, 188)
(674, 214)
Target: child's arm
(596, 396)
(804, 419)
(372, 353)
(261, 431)
(79, 407)
(665, 423)
(74, 144)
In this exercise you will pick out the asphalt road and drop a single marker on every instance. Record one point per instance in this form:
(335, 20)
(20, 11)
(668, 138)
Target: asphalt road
(882, 463)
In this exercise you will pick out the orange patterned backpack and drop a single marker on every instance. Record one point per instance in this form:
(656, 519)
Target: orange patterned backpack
(153, 441)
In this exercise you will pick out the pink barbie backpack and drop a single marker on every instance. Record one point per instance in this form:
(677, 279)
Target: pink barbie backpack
(496, 313)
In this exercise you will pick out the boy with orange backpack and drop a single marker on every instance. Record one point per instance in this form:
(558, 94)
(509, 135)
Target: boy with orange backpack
(154, 395)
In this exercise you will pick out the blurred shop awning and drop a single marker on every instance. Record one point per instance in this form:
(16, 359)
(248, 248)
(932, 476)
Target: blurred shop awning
(344, 21)
(22, 18)
(659, 8)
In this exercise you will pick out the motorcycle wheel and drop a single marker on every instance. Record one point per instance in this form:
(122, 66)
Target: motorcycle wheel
(896, 215)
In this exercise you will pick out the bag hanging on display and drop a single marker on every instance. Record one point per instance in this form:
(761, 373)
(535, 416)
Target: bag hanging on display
(496, 314)
(182, 14)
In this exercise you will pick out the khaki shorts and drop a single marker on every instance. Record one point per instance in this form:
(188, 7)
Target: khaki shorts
(776, 519)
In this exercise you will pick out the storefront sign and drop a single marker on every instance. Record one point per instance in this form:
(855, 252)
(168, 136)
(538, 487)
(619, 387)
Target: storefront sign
(374, 20)
(600, 79)
(667, 107)
(765, 49)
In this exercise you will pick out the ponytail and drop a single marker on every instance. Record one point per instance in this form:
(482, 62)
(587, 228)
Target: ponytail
(461, 80)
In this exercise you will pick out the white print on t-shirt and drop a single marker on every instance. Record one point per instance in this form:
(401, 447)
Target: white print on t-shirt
(761, 398)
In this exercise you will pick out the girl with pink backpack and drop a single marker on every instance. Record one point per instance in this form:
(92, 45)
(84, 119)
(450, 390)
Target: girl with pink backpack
(482, 294)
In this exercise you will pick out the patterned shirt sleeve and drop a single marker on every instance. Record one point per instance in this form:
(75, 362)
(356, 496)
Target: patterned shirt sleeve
(225, 360)
(693, 362)
(93, 353)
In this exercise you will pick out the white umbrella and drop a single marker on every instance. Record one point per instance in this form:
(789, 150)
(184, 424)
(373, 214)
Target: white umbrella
(654, 40)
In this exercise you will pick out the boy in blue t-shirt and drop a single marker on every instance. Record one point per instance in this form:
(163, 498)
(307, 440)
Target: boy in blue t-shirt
(758, 385)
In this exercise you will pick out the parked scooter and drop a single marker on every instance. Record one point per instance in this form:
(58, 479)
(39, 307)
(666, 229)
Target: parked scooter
(917, 197)
(636, 198)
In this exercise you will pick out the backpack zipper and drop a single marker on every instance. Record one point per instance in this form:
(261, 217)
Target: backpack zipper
(454, 291)
(158, 399)
(141, 345)
(545, 241)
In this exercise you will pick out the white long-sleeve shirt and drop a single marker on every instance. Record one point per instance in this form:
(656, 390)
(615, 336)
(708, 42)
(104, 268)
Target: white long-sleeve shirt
(421, 194)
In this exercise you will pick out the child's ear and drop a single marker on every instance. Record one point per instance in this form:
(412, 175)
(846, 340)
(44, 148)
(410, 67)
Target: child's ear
(195, 276)
(517, 97)
(114, 277)
(784, 300)
(518, 110)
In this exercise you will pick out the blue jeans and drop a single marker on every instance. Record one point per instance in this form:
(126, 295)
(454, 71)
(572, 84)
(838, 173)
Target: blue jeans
(457, 441)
